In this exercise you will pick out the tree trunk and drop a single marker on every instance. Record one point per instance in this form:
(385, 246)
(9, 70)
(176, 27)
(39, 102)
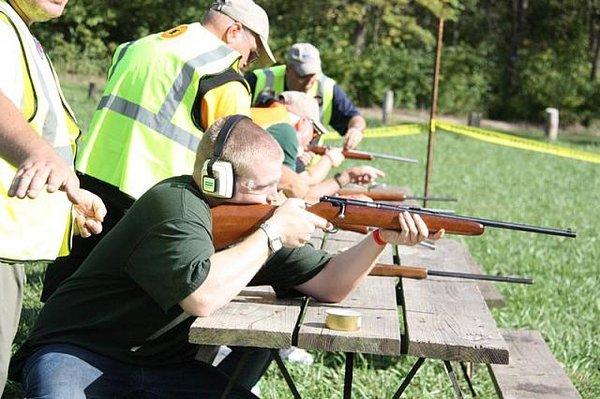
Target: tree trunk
(518, 23)
(594, 32)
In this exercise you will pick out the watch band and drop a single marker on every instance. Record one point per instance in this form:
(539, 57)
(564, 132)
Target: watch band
(273, 238)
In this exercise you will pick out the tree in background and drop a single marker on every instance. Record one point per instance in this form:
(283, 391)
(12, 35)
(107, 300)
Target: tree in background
(508, 59)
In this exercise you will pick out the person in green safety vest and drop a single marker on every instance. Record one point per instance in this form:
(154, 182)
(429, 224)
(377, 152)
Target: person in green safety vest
(302, 72)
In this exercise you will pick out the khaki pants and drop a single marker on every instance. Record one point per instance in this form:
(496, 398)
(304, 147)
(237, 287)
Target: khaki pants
(12, 286)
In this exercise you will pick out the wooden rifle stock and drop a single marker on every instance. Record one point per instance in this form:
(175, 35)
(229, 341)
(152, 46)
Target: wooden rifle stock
(349, 154)
(233, 222)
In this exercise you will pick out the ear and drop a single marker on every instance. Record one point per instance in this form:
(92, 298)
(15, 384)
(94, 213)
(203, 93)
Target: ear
(233, 31)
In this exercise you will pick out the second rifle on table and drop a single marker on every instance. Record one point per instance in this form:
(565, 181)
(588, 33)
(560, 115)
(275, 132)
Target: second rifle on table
(362, 155)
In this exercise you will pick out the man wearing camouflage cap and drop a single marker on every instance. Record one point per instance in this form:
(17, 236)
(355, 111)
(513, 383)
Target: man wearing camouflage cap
(302, 72)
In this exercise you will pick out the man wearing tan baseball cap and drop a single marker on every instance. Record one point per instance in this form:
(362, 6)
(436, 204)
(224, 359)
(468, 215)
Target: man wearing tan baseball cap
(303, 73)
(253, 17)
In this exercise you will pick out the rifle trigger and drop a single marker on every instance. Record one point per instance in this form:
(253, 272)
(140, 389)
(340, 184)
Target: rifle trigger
(342, 214)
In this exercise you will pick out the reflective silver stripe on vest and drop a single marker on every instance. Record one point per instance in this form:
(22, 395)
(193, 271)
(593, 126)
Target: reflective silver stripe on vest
(50, 127)
(269, 80)
(66, 153)
(184, 80)
(321, 94)
(161, 122)
(146, 117)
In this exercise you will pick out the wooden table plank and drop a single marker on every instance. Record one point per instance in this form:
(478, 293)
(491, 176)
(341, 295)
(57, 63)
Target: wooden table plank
(254, 318)
(375, 299)
(449, 255)
(450, 321)
(533, 373)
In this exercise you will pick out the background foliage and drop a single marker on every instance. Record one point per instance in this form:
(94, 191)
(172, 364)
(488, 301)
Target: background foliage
(507, 59)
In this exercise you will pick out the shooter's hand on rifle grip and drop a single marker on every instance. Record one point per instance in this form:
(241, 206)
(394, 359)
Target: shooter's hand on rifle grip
(413, 231)
(295, 224)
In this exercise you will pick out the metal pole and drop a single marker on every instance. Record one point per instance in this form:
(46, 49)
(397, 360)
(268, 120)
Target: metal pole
(434, 98)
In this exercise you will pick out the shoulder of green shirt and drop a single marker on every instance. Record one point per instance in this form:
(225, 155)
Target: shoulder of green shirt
(285, 135)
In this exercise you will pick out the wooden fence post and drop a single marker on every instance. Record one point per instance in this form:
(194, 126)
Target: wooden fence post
(387, 106)
(551, 127)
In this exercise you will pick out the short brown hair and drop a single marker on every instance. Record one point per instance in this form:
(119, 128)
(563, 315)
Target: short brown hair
(247, 145)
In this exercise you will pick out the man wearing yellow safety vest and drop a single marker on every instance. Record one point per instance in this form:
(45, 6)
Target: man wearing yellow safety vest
(37, 146)
(163, 91)
(302, 72)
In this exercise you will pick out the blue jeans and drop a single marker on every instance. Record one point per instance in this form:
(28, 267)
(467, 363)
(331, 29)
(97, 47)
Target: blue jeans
(69, 372)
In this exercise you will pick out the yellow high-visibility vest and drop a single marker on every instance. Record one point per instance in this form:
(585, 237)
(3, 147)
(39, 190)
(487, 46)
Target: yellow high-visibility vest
(272, 81)
(268, 116)
(38, 229)
(144, 129)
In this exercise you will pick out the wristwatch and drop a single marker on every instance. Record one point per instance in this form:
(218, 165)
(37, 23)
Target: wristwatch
(275, 242)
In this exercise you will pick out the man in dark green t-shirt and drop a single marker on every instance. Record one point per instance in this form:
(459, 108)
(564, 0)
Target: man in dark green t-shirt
(119, 325)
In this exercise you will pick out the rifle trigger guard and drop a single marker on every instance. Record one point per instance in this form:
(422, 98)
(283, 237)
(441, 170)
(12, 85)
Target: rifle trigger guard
(332, 230)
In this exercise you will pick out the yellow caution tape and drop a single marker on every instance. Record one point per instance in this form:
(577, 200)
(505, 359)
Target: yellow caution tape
(385, 131)
(489, 136)
(519, 142)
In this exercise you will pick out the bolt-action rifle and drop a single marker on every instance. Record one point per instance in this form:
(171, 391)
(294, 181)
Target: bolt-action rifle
(419, 273)
(388, 195)
(362, 155)
(233, 222)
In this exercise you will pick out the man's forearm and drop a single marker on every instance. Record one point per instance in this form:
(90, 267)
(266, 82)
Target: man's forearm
(18, 141)
(230, 271)
(357, 122)
(343, 272)
(326, 187)
(318, 172)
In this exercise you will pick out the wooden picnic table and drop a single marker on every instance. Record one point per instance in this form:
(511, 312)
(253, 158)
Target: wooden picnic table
(444, 319)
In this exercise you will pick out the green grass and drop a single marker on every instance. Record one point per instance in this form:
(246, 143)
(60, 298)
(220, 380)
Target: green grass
(495, 182)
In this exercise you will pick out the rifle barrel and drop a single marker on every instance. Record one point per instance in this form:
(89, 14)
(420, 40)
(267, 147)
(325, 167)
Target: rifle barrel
(393, 157)
(487, 277)
(441, 199)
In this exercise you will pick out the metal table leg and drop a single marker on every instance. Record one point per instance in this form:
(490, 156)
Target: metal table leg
(348, 375)
(409, 377)
(286, 374)
(457, 392)
(467, 376)
(234, 376)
